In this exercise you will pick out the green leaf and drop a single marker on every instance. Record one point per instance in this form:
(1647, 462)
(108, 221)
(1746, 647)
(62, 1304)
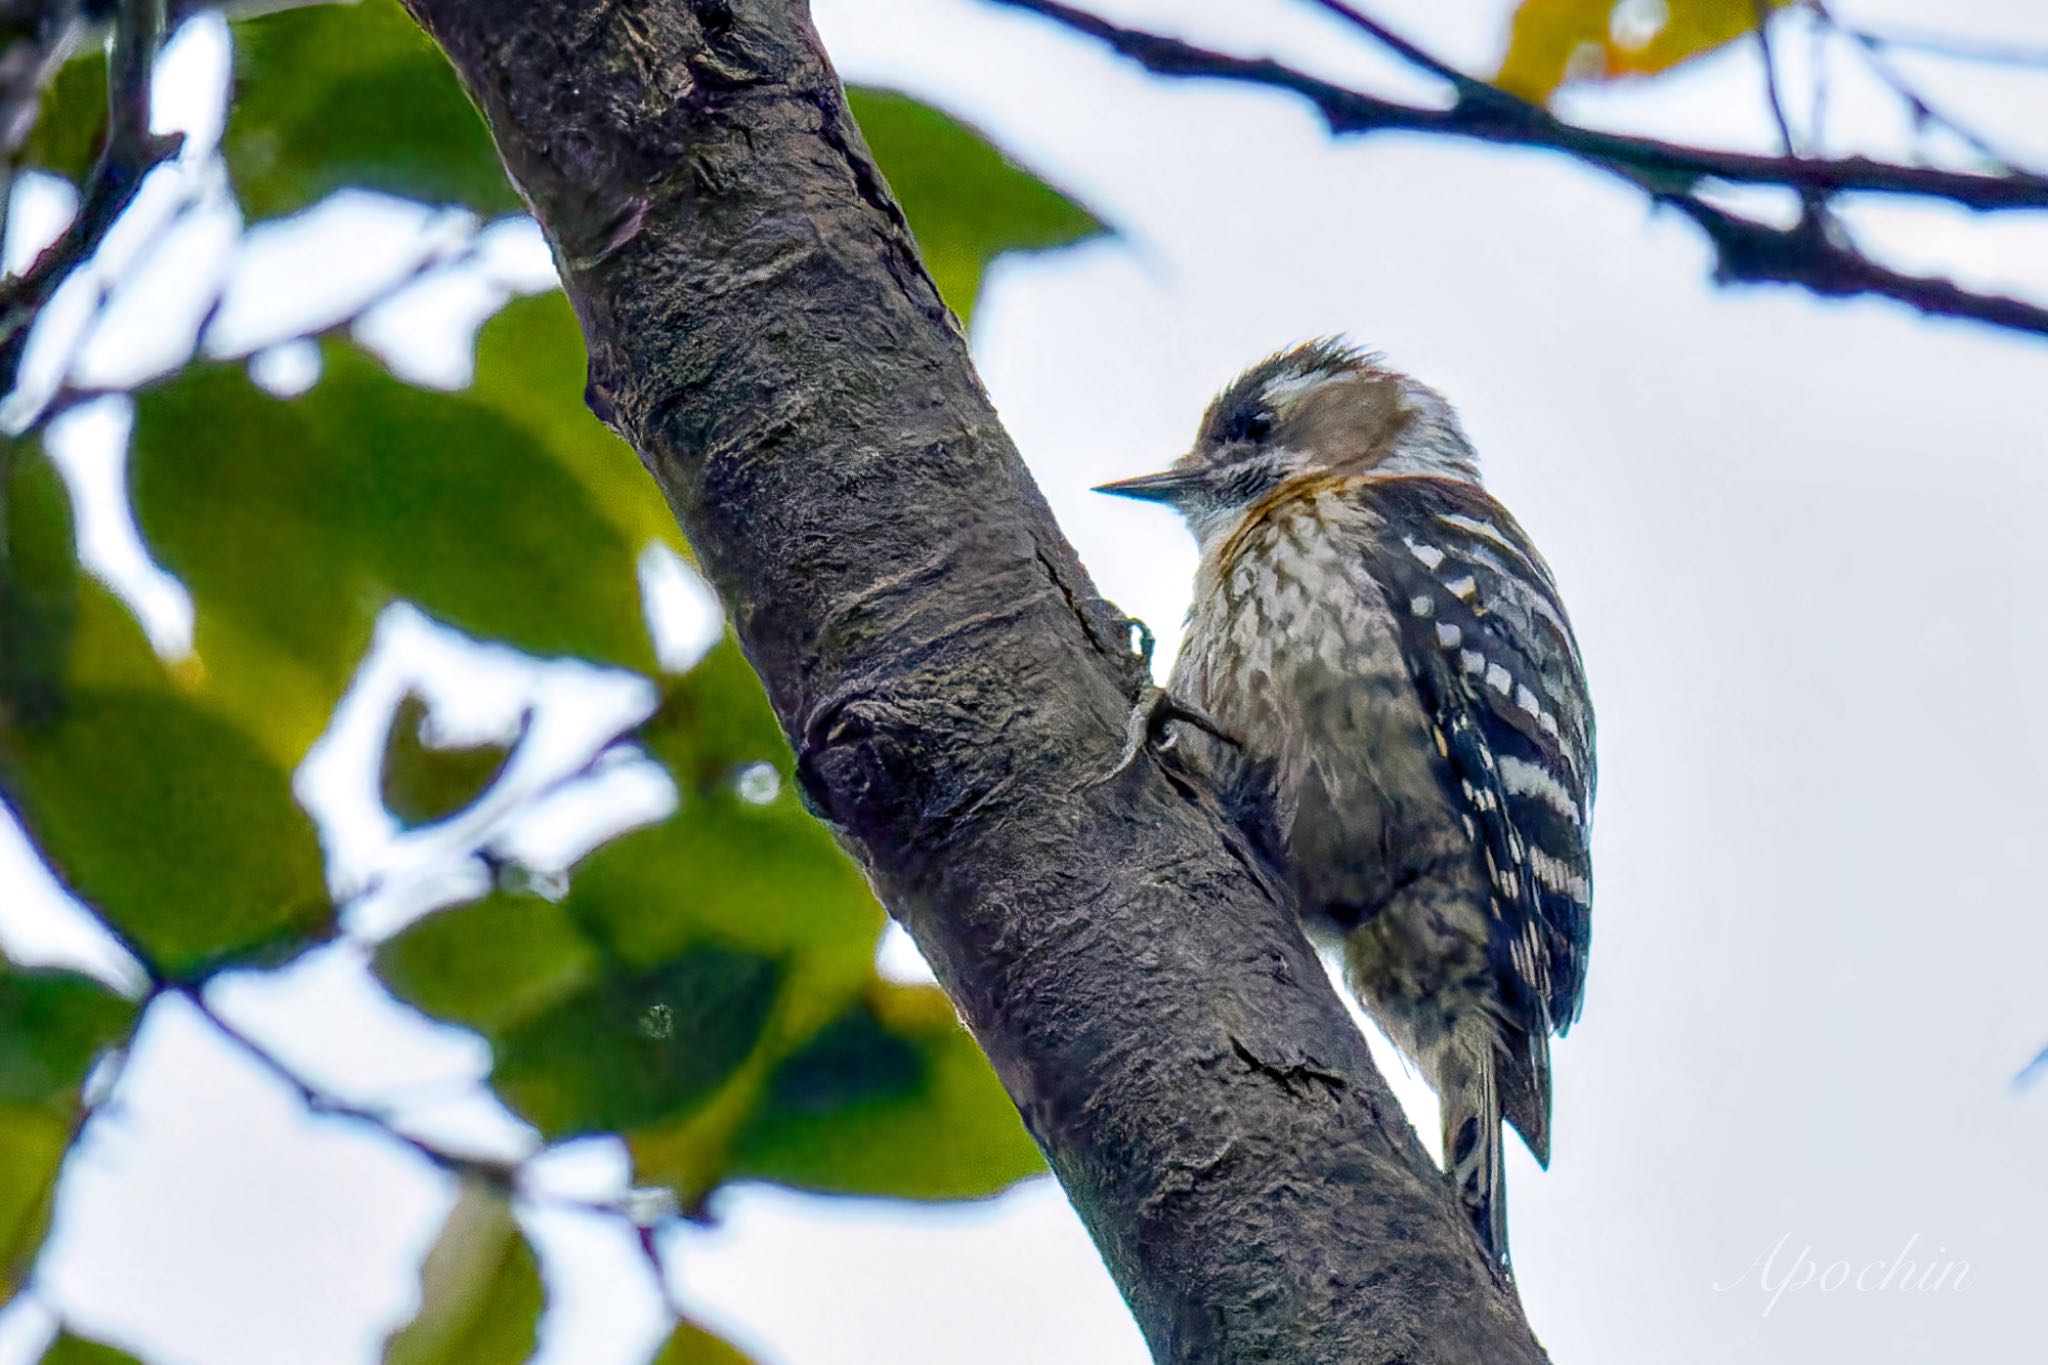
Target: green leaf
(480, 1291)
(172, 823)
(33, 1143)
(690, 1344)
(421, 783)
(491, 964)
(39, 580)
(61, 628)
(328, 96)
(965, 200)
(166, 817)
(636, 1049)
(894, 1099)
(714, 720)
(296, 521)
(530, 367)
(71, 1349)
(759, 875)
(53, 1026)
(72, 119)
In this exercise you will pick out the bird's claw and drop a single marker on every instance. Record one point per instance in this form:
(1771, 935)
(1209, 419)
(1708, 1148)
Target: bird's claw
(1142, 641)
(1155, 709)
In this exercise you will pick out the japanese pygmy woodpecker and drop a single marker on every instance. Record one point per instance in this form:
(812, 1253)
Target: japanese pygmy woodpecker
(1400, 724)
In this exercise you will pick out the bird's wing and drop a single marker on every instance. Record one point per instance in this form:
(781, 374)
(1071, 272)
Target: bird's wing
(1494, 657)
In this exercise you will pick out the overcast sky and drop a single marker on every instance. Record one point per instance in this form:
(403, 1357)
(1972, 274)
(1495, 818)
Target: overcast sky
(1800, 542)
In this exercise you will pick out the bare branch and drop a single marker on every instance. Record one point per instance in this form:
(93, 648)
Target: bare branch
(1809, 256)
(1499, 117)
(1949, 48)
(1813, 255)
(1786, 144)
(130, 154)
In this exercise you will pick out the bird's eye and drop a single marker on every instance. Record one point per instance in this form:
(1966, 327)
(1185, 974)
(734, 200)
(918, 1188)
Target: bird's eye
(1258, 426)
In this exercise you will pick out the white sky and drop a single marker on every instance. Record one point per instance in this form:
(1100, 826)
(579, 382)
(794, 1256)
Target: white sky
(1797, 538)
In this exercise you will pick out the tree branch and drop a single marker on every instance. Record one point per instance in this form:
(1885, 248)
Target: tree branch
(1752, 251)
(131, 152)
(761, 328)
(1486, 113)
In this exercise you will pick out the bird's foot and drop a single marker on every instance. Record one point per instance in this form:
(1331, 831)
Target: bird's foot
(1142, 642)
(1155, 710)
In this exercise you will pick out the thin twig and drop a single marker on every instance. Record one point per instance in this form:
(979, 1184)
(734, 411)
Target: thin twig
(1817, 115)
(130, 154)
(1813, 205)
(2032, 1071)
(503, 1178)
(1949, 48)
(436, 256)
(496, 1175)
(1399, 45)
(1925, 114)
(1786, 144)
(467, 252)
(10, 174)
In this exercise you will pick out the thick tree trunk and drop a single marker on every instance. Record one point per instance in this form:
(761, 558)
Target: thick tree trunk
(762, 330)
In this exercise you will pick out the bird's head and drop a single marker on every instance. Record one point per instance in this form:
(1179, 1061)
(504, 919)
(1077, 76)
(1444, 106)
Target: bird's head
(1322, 406)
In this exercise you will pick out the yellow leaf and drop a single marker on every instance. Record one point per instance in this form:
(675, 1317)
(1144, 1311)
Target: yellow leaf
(1554, 42)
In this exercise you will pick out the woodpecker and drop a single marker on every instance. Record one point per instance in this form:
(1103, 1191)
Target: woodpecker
(1393, 707)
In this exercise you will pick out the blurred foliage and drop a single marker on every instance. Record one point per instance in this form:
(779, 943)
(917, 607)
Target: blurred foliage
(480, 1291)
(721, 953)
(1554, 42)
(72, 118)
(53, 1027)
(966, 201)
(705, 985)
(71, 1349)
(421, 782)
(890, 1098)
(353, 95)
(692, 1345)
(333, 95)
(173, 824)
(529, 370)
(389, 492)
(161, 813)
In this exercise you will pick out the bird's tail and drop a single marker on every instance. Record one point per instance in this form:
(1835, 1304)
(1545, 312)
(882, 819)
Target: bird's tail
(1472, 1144)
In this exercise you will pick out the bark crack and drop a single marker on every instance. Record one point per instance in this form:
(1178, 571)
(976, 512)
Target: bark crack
(1304, 1077)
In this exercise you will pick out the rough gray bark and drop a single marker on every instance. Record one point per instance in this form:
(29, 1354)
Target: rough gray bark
(760, 327)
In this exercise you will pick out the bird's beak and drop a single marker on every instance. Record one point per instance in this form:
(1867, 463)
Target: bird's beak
(1167, 487)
